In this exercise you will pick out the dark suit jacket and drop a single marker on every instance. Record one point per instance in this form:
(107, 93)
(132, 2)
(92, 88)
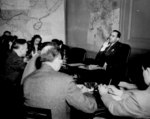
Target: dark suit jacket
(115, 59)
(14, 67)
(47, 88)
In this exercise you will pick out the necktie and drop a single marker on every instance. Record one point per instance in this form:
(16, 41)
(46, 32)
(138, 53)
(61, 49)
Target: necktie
(109, 46)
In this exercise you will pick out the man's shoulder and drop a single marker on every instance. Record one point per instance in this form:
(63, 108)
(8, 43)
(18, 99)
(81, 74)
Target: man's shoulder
(49, 76)
(118, 43)
(63, 76)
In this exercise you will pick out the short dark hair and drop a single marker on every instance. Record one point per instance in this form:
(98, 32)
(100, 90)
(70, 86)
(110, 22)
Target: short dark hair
(7, 32)
(18, 42)
(36, 36)
(57, 42)
(44, 44)
(118, 33)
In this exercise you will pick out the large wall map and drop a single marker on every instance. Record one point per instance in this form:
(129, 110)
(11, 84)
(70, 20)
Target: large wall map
(25, 18)
(104, 17)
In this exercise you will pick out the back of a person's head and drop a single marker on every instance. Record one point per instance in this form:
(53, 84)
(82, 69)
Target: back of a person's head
(49, 53)
(44, 44)
(6, 33)
(57, 42)
(18, 42)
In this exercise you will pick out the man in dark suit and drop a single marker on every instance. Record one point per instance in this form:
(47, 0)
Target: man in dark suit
(48, 88)
(111, 57)
(11, 77)
(14, 64)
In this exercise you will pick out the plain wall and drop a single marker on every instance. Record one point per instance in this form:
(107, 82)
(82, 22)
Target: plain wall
(77, 23)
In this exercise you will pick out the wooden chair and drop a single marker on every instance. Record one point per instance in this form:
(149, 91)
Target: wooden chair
(36, 113)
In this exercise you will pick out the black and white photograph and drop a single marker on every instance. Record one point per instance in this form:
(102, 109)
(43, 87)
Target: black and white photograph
(75, 59)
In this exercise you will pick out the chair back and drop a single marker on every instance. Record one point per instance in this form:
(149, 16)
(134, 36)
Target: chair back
(126, 51)
(36, 113)
(76, 55)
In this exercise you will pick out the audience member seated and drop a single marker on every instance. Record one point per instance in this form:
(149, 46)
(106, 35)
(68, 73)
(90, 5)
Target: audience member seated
(112, 55)
(33, 64)
(4, 45)
(10, 87)
(14, 64)
(34, 45)
(4, 36)
(5, 49)
(128, 103)
(50, 89)
(30, 67)
(64, 49)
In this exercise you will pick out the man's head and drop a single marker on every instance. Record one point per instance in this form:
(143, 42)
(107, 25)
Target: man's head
(57, 42)
(51, 55)
(114, 36)
(7, 33)
(20, 46)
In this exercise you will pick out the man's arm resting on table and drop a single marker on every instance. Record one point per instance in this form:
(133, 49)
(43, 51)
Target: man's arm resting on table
(79, 100)
(126, 85)
(127, 106)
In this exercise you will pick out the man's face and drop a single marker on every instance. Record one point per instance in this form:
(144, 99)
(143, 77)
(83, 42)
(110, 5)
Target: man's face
(23, 49)
(57, 63)
(37, 41)
(113, 37)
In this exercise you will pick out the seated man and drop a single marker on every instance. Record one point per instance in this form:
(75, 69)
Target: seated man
(111, 56)
(14, 64)
(33, 64)
(64, 49)
(48, 88)
(130, 103)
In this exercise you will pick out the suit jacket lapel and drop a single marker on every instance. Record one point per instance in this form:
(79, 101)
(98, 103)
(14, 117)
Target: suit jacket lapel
(111, 48)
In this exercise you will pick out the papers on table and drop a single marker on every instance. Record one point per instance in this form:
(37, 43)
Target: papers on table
(84, 66)
(90, 67)
(75, 64)
(84, 88)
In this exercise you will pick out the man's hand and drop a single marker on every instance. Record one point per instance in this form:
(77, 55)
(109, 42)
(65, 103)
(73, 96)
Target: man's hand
(113, 90)
(102, 89)
(126, 85)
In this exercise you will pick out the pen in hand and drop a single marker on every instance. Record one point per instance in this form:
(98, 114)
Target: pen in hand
(109, 82)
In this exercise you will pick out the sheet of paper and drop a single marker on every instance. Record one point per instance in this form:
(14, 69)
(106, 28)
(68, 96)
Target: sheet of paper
(76, 64)
(90, 67)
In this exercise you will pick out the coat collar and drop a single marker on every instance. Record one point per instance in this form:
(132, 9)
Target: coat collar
(47, 68)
